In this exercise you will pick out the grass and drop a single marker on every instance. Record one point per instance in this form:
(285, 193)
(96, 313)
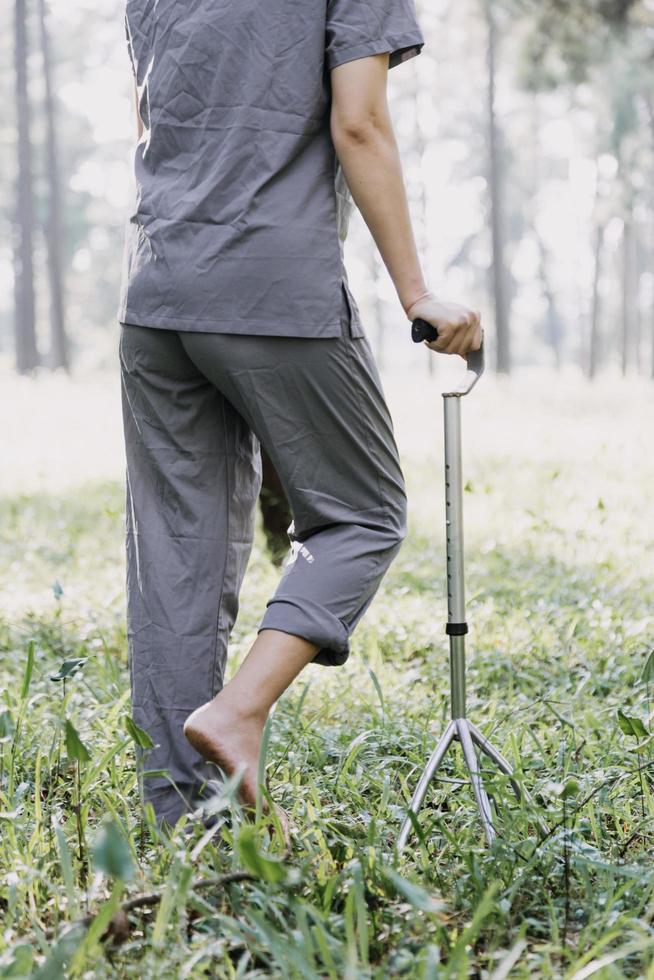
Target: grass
(560, 592)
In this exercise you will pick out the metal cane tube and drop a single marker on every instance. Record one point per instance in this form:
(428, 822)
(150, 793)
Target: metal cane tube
(458, 676)
(456, 611)
(456, 606)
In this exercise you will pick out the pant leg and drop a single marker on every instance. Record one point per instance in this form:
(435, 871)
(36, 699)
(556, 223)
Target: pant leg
(318, 409)
(192, 481)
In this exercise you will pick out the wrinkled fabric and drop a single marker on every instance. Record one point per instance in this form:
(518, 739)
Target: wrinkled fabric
(241, 205)
(196, 409)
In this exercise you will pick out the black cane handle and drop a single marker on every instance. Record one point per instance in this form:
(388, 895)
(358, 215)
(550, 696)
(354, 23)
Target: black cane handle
(421, 330)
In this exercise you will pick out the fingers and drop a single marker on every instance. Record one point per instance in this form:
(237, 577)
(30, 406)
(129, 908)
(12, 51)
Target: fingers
(472, 341)
(475, 341)
(458, 336)
(446, 341)
(462, 337)
(451, 335)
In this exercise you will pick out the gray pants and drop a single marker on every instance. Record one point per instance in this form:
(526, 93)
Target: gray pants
(196, 406)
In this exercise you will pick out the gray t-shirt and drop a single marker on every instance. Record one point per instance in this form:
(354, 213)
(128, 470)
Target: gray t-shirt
(241, 204)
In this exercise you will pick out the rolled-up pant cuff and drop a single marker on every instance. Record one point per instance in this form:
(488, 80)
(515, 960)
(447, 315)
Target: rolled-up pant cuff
(312, 622)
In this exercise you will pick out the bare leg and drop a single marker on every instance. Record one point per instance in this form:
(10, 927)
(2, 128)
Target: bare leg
(228, 730)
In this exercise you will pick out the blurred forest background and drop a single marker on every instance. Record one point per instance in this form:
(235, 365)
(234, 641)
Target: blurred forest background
(527, 133)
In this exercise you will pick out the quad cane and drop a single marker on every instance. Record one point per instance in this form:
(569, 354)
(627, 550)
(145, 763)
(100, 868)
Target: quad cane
(459, 727)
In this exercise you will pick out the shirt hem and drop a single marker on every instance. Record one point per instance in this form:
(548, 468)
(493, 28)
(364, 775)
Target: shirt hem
(256, 328)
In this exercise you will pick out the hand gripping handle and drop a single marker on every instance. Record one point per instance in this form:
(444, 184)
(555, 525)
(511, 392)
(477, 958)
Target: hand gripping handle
(421, 330)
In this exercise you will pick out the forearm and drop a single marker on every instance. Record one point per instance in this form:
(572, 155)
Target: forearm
(371, 163)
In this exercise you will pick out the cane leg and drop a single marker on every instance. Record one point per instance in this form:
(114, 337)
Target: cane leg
(431, 768)
(522, 794)
(481, 796)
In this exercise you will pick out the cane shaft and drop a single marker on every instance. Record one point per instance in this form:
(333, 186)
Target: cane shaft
(456, 610)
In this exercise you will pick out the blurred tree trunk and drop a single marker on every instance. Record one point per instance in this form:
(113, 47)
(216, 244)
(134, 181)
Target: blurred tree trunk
(554, 329)
(627, 290)
(27, 356)
(649, 104)
(640, 267)
(553, 321)
(53, 225)
(496, 180)
(594, 351)
(421, 209)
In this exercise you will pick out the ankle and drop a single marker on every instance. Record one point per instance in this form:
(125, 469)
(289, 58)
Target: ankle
(236, 709)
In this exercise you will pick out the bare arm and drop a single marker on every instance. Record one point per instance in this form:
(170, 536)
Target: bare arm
(363, 136)
(364, 139)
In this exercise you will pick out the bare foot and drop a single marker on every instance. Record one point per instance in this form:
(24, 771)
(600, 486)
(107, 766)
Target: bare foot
(230, 739)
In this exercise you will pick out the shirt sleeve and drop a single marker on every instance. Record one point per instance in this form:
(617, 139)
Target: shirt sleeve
(359, 28)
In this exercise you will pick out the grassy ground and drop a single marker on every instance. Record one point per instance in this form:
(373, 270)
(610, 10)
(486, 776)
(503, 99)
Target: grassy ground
(559, 513)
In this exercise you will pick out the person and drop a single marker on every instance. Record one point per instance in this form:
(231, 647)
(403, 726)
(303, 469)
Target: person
(260, 126)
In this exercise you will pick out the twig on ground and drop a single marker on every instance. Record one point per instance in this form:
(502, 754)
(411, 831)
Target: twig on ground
(118, 928)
